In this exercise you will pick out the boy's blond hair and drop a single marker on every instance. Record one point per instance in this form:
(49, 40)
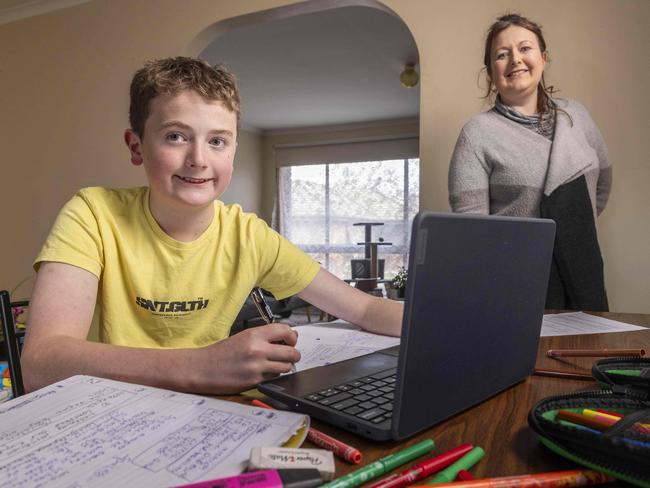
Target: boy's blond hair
(172, 75)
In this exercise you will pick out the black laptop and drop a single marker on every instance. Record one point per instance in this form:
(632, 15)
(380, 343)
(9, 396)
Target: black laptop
(472, 317)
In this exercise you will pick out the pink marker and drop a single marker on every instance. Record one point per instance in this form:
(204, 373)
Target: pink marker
(271, 478)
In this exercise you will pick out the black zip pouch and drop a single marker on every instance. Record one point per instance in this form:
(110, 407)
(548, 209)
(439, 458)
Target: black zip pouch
(621, 449)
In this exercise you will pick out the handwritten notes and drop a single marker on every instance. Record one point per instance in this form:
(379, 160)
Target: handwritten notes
(576, 323)
(330, 342)
(87, 431)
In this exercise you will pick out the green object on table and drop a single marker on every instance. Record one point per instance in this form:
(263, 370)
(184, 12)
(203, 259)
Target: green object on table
(625, 372)
(448, 474)
(381, 466)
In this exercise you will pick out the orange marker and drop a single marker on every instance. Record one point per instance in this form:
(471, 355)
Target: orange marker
(554, 479)
(619, 416)
(598, 421)
(342, 450)
(612, 419)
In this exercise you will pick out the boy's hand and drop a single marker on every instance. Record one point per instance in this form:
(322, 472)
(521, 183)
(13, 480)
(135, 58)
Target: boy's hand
(249, 357)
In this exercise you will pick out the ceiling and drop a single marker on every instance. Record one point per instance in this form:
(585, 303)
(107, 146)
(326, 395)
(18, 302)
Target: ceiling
(11, 10)
(334, 67)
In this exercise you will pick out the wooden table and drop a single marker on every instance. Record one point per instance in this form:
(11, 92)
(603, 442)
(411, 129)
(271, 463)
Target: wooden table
(499, 425)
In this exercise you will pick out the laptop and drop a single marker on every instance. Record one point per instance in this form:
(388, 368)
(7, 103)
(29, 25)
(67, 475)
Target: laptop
(472, 316)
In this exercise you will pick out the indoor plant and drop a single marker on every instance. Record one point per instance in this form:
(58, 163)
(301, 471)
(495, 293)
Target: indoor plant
(397, 286)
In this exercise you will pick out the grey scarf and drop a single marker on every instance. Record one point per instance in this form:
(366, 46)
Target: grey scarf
(544, 124)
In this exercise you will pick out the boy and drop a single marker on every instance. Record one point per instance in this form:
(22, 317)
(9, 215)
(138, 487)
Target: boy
(170, 265)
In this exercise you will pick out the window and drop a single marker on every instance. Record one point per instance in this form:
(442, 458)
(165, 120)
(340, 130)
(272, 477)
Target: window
(320, 202)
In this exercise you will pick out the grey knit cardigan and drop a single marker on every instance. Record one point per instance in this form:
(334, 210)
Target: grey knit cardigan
(501, 167)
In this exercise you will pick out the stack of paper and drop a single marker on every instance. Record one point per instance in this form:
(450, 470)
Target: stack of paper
(87, 431)
(577, 323)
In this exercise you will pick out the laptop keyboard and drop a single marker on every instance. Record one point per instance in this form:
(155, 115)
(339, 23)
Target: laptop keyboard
(368, 398)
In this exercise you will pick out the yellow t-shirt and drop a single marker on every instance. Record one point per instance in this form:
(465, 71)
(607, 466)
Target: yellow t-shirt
(155, 291)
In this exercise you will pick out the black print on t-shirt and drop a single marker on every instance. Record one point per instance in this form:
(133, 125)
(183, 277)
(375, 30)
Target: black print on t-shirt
(171, 308)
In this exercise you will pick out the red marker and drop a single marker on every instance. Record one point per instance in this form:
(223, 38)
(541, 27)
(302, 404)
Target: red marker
(464, 476)
(349, 453)
(424, 469)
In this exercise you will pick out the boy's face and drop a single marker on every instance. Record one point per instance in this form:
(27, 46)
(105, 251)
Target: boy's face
(187, 151)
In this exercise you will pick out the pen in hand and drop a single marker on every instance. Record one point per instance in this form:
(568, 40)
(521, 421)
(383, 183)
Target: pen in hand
(265, 311)
(262, 307)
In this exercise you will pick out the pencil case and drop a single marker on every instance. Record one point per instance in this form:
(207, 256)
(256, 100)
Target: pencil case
(621, 449)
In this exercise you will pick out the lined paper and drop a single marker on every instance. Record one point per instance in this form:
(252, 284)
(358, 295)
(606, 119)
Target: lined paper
(87, 431)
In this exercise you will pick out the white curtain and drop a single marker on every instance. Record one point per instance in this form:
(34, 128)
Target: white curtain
(324, 189)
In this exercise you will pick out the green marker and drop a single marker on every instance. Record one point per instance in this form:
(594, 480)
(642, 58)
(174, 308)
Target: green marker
(381, 466)
(448, 474)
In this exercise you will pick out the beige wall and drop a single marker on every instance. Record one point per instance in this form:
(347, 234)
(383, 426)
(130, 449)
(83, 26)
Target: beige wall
(247, 183)
(63, 97)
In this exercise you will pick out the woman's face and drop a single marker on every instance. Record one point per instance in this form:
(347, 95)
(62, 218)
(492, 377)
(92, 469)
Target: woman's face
(517, 64)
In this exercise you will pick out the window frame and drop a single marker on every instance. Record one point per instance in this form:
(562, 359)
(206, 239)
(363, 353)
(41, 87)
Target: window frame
(326, 248)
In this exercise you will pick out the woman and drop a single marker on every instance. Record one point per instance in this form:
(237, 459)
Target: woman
(535, 156)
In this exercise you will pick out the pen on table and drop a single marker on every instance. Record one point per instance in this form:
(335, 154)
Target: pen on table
(381, 466)
(594, 353)
(424, 469)
(552, 479)
(559, 373)
(448, 474)
(265, 311)
(340, 449)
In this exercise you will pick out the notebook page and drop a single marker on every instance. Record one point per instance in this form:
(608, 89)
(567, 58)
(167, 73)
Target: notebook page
(87, 431)
(330, 342)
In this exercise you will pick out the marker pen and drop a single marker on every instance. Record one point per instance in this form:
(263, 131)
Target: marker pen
(448, 474)
(381, 466)
(424, 469)
(271, 478)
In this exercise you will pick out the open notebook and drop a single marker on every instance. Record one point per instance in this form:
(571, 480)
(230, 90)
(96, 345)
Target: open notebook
(87, 431)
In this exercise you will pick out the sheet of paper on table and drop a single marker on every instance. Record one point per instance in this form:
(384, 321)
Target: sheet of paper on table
(86, 431)
(330, 342)
(575, 323)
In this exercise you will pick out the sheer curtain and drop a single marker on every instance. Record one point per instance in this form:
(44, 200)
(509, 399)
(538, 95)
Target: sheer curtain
(324, 189)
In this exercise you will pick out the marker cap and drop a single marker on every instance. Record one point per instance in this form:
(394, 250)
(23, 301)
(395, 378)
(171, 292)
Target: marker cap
(300, 478)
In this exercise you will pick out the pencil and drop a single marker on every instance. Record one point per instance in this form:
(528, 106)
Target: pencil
(558, 373)
(594, 353)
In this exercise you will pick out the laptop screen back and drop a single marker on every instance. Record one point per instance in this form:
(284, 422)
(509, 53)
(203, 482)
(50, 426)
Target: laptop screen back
(475, 299)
